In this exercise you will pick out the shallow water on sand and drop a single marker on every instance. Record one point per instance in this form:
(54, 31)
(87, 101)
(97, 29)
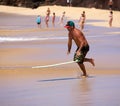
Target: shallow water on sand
(61, 91)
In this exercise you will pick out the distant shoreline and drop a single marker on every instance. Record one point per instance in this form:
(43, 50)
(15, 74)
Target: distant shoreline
(72, 13)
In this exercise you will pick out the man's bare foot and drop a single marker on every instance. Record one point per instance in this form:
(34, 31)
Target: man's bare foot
(92, 62)
(84, 76)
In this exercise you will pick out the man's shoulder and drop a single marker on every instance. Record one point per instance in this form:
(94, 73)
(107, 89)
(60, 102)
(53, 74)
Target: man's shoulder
(77, 30)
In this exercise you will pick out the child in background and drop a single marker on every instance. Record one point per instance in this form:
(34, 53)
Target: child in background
(38, 21)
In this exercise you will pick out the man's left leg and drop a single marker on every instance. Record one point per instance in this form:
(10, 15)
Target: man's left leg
(82, 67)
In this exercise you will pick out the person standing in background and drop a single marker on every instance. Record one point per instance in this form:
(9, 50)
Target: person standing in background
(68, 2)
(53, 19)
(110, 18)
(47, 17)
(84, 14)
(110, 4)
(82, 21)
(47, 20)
(38, 21)
(48, 11)
(62, 18)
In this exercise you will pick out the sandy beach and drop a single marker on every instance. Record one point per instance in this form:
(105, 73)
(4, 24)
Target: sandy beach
(23, 45)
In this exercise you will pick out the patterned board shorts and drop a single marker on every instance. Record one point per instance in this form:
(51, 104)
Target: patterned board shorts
(81, 57)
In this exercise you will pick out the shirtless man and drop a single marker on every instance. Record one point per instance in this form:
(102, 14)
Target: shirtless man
(82, 46)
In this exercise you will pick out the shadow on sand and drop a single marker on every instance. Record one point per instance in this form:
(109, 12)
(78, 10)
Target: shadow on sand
(62, 79)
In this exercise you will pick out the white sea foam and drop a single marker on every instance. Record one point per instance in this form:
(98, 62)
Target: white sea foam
(20, 39)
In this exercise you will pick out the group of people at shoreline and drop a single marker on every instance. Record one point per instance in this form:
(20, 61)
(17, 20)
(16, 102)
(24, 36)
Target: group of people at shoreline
(81, 20)
(83, 16)
(47, 19)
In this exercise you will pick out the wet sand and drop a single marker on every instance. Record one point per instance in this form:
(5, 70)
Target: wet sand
(58, 86)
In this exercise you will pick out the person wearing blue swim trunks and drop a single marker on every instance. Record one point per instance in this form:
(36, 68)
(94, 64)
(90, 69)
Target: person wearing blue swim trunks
(82, 46)
(38, 21)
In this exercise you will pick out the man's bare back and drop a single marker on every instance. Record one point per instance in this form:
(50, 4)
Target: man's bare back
(78, 37)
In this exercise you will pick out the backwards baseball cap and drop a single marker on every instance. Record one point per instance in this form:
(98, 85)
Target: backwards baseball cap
(69, 24)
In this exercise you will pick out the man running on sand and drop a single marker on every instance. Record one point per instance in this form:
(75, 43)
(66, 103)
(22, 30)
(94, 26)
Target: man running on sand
(82, 46)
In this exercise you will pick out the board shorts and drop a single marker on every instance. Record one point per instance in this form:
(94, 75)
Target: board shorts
(81, 57)
(38, 22)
